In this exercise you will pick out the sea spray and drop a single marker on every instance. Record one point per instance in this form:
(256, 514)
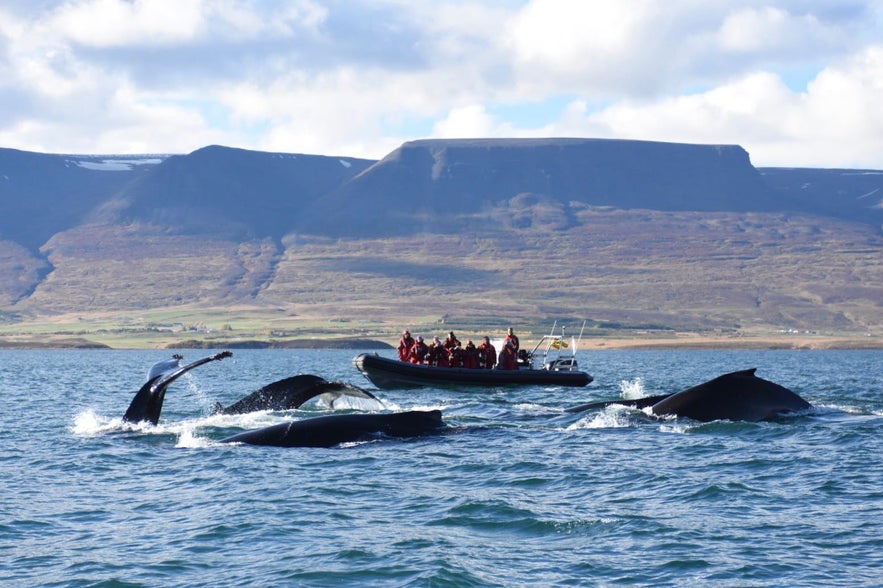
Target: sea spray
(630, 389)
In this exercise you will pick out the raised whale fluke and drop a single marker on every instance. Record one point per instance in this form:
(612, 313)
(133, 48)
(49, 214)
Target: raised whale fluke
(737, 396)
(291, 393)
(327, 431)
(147, 404)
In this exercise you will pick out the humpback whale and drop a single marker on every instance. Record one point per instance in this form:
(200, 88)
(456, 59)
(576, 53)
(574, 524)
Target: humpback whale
(737, 396)
(164, 366)
(147, 404)
(291, 393)
(327, 431)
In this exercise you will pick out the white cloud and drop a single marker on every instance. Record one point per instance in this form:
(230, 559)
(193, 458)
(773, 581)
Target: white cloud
(116, 23)
(466, 122)
(796, 83)
(837, 121)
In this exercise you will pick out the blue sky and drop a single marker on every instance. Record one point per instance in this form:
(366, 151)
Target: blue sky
(796, 83)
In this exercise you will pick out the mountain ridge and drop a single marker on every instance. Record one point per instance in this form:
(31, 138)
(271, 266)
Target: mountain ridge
(640, 232)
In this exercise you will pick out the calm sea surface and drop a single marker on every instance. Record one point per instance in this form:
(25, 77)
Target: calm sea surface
(519, 493)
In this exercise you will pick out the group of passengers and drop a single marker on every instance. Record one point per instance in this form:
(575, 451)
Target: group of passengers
(450, 352)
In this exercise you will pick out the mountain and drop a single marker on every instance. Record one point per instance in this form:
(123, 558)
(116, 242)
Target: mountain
(444, 185)
(629, 233)
(243, 194)
(43, 194)
(849, 194)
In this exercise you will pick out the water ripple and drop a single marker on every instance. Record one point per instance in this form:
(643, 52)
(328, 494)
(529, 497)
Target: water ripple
(517, 493)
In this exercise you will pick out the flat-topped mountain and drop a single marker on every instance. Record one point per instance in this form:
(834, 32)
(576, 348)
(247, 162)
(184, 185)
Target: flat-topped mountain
(448, 184)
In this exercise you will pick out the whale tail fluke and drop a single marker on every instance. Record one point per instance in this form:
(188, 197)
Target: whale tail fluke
(291, 393)
(147, 404)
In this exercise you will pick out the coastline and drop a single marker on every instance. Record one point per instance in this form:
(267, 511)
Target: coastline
(807, 342)
(682, 341)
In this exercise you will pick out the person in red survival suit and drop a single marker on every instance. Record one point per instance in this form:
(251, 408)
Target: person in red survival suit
(418, 351)
(451, 341)
(511, 337)
(508, 357)
(405, 345)
(470, 355)
(487, 354)
(455, 355)
(438, 355)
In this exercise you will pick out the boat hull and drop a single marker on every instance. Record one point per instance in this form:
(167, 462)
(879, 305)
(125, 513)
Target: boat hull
(391, 373)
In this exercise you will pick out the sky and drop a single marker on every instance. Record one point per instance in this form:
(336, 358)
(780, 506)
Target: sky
(795, 82)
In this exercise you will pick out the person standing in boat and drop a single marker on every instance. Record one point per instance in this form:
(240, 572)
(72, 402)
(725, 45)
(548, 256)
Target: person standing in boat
(418, 351)
(487, 354)
(405, 345)
(470, 355)
(512, 338)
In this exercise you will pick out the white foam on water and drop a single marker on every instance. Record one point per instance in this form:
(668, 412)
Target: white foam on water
(90, 424)
(612, 417)
(188, 439)
(631, 389)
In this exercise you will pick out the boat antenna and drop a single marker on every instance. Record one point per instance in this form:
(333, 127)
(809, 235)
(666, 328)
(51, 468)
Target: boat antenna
(583, 328)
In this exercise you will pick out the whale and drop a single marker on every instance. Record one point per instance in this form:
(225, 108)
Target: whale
(148, 401)
(331, 430)
(736, 396)
(291, 393)
(165, 365)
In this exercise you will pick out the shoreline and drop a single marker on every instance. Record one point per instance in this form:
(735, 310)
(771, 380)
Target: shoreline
(682, 342)
(747, 343)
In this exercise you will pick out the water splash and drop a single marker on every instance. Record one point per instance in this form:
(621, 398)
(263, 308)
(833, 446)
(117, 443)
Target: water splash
(90, 424)
(630, 389)
(188, 439)
(347, 402)
(204, 400)
(612, 417)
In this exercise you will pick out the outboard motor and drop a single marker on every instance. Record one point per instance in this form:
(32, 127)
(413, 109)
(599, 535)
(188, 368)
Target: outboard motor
(524, 358)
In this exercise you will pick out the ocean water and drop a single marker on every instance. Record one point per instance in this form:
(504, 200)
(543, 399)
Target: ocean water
(516, 493)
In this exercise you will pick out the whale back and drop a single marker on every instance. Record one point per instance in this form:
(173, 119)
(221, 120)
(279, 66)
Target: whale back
(327, 431)
(291, 393)
(737, 396)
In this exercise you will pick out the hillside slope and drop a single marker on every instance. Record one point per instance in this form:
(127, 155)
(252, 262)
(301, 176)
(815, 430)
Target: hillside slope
(628, 233)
